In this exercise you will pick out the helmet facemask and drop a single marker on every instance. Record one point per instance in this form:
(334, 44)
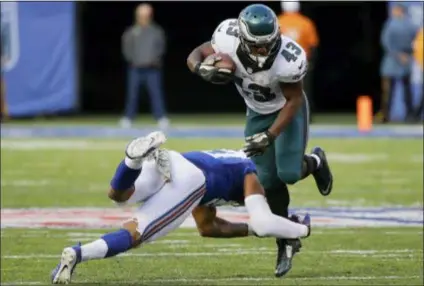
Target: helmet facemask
(259, 48)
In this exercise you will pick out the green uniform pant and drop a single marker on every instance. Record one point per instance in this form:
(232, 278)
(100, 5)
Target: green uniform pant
(282, 161)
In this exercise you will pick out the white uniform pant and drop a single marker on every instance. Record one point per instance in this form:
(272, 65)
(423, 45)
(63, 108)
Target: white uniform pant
(166, 205)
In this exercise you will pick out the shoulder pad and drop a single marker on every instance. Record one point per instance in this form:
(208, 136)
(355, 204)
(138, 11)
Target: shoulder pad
(225, 36)
(294, 63)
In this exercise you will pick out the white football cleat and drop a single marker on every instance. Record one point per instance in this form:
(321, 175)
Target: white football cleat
(163, 124)
(62, 274)
(142, 147)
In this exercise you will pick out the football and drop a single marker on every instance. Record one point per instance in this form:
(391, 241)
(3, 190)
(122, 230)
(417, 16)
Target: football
(226, 62)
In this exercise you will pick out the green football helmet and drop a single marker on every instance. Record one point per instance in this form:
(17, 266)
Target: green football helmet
(259, 32)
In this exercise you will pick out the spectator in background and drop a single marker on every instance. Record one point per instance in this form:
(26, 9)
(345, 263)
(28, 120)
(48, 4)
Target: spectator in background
(5, 52)
(143, 47)
(301, 29)
(418, 55)
(3, 114)
(396, 38)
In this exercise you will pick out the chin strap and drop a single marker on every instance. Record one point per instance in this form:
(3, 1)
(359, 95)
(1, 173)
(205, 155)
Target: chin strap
(259, 60)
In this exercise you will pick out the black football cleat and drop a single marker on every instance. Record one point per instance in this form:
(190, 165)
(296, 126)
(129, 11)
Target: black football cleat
(287, 248)
(322, 175)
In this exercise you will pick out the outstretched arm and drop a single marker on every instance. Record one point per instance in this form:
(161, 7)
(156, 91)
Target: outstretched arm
(209, 225)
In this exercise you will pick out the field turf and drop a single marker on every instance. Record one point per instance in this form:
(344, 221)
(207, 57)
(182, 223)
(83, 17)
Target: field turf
(64, 173)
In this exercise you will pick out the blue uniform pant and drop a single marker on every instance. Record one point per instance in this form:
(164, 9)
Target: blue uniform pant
(151, 78)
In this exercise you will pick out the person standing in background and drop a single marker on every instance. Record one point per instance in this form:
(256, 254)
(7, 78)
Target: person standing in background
(301, 29)
(419, 58)
(5, 52)
(143, 47)
(3, 114)
(396, 39)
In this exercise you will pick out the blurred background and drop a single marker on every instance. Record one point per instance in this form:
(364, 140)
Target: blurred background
(68, 58)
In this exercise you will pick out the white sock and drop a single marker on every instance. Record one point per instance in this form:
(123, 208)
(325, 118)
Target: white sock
(317, 159)
(265, 223)
(163, 123)
(135, 164)
(94, 250)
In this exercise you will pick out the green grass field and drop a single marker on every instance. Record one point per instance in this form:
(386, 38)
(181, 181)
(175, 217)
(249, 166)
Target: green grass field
(76, 173)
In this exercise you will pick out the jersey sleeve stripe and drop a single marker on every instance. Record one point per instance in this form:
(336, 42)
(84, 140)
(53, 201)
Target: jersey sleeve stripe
(170, 216)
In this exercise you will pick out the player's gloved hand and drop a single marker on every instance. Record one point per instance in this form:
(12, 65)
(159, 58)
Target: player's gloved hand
(256, 145)
(209, 72)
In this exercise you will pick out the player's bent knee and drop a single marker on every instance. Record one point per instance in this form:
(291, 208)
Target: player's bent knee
(290, 177)
(132, 227)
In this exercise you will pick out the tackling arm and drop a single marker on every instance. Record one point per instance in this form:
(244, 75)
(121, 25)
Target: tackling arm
(209, 225)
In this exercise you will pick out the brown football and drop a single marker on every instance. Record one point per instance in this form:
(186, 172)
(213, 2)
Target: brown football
(226, 62)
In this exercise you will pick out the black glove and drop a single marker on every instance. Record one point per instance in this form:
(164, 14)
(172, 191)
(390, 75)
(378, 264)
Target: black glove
(256, 145)
(215, 75)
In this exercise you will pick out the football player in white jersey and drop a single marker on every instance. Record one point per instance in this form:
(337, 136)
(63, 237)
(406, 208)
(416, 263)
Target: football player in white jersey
(269, 72)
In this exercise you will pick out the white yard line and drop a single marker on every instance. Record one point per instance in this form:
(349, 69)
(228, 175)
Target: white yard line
(235, 279)
(60, 145)
(153, 254)
(82, 144)
(77, 236)
(245, 251)
(30, 183)
(23, 283)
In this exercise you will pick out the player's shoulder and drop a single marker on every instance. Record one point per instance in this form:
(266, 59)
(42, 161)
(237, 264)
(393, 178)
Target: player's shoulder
(226, 23)
(292, 63)
(225, 36)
